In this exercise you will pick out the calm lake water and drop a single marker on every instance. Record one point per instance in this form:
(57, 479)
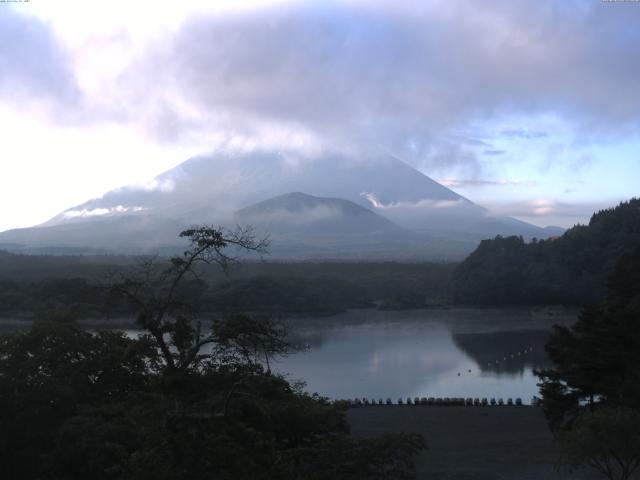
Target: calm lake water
(425, 353)
(457, 352)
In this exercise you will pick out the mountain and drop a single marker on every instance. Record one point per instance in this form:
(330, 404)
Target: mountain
(298, 213)
(303, 225)
(211, 189)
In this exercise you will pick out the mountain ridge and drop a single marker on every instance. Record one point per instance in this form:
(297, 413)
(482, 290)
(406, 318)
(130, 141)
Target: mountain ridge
(211, 189)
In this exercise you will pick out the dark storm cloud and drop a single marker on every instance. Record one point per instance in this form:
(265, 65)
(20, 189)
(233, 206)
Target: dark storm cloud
(32, 64)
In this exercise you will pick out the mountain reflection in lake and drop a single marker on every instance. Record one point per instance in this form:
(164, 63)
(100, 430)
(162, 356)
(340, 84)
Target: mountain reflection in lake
(457, 352)
(438, 353)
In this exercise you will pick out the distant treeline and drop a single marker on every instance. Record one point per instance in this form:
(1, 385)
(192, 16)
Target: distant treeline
(570, 269)
(35, 284)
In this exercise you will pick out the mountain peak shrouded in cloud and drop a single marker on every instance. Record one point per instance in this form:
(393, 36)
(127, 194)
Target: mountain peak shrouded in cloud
(337, 198)
(543, 91)
(212, 187)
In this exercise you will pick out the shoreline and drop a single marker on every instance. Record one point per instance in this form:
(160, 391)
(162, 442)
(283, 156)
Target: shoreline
(537, 312)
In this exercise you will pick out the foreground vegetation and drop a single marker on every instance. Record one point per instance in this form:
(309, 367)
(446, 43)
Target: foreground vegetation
(591, 396)
(180, 402)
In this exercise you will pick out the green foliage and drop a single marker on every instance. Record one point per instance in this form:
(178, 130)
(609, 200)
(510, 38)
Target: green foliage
(94, 405)
(278, 288)
(288, 294)
(76, 404)
(597, 360)
(48, 372)
(606, 440)
(570, 269)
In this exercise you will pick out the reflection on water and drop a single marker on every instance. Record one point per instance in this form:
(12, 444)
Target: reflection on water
(458, 352)
(430, 353)
(505, 352)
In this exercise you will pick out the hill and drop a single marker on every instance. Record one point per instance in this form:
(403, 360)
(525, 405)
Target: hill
(570, 269)
(301, 224)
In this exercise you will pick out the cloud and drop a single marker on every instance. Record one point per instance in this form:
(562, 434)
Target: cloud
(456, 183)
(95, 212)
(98, 212)
(159, 185)
(33, 64)
(523, 133)
(493, 152)
(421, 204)
(542, 206)
(546, 211)
(410, 78)
(397, 76)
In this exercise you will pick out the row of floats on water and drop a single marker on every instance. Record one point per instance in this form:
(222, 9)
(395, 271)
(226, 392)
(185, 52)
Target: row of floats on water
(511, 356)
(446, 401)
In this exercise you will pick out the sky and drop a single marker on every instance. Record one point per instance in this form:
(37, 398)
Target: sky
(529, 108)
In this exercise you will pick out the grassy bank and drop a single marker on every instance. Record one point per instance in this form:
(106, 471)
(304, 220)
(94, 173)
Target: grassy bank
(470, 443)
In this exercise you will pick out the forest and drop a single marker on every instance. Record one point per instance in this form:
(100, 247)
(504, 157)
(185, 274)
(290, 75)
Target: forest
(569, 270)
(30, 285)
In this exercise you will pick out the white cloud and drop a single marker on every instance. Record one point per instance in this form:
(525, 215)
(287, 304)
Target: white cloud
(121, 91)
(542, 206)
(548, 211)
(154, 184)
(456, 183)
(86, 213)
(421, 204)
(97, 212)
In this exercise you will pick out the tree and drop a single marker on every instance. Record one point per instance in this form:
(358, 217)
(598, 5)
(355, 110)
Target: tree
(591, 395)
(178, 402)
(606, 440)
(48, 373)
(570, 269)
(597, 360)
(159, 300)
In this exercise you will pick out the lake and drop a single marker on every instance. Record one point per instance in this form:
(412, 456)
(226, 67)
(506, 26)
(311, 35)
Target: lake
(458, 352)
(448, 352)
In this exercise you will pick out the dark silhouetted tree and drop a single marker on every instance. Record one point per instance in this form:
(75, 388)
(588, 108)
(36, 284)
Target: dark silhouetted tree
(606, 440)
(179, 402)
